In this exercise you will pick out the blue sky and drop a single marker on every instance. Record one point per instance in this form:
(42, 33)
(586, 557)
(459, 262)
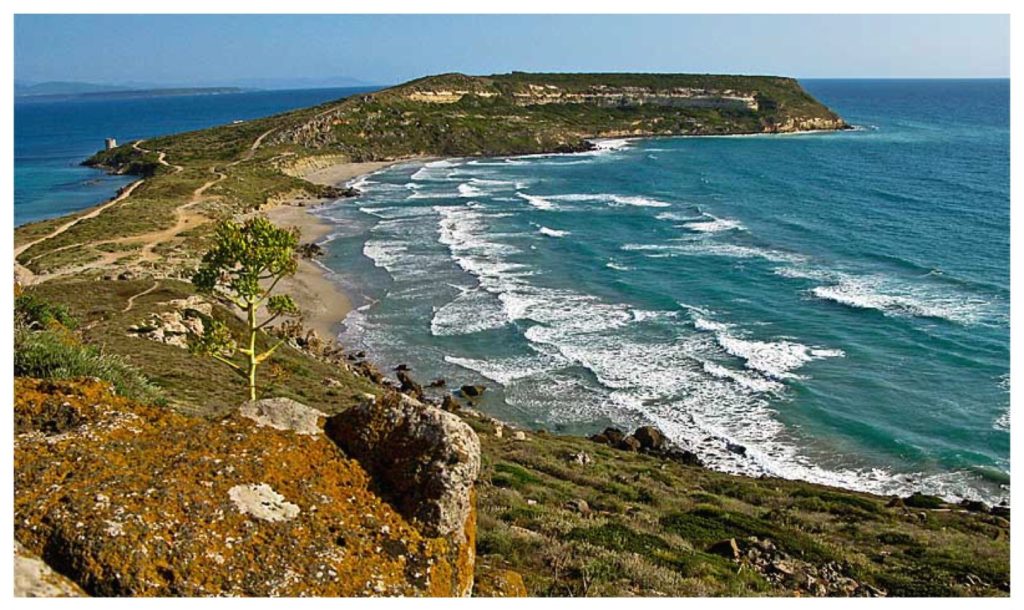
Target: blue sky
(383, 49)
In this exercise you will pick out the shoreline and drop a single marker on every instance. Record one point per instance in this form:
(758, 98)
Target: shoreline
(323, 303)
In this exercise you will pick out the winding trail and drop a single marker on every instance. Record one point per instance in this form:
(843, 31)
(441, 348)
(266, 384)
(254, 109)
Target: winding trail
(124, 194)
(131, 299)
(185, 219)
(161, 156)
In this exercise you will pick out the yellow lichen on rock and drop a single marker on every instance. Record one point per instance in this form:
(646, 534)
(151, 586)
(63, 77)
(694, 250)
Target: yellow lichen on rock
(129, 499)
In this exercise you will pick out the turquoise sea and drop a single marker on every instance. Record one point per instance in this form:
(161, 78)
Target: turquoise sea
(831, 307)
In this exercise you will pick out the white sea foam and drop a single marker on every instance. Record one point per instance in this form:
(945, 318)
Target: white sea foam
(677, 217)
(610, 199)
(775, 359)
(704, 392)
(639, 201)
(896, 298)
(472, 311)
(468, 190)
(754, 383)
(713, 224)
(552, 232)
(616, 266)
(610, 144)
(538, 202)
(705, 248)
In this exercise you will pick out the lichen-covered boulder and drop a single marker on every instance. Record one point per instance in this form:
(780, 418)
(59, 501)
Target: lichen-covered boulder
(499, 582)
(128, 499)
(425, 459)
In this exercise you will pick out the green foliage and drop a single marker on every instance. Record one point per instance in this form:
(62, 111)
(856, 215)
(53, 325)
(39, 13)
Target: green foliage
(32, 311)
(244, 266)
(245, 254)
(920, 500)
(617, 537)
(52, 354)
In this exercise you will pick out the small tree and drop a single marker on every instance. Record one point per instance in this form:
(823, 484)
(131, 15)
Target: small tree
(244, 267)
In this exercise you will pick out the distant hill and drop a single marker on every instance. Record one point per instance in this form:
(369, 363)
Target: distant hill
(57, 91)
(63, 88)
(519, 113)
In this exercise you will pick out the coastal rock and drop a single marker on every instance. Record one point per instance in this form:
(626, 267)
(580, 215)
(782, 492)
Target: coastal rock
(726, 548)
(629, 443)
(310, 250)
(134, 500)
(651, 438)
(438, 383)
(426, 459)
(582, 458)
(262, 502)
(578, 505)
(610, 436)
(448, 403)
(408, 385)
(472, 391)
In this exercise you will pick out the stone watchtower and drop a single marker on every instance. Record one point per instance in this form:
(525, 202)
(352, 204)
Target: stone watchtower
(111, 143)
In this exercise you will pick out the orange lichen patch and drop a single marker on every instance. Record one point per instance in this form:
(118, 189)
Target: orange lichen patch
(497, 582)
(129, 499)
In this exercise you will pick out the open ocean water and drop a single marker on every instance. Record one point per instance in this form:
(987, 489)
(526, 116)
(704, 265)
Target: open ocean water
(831, 307)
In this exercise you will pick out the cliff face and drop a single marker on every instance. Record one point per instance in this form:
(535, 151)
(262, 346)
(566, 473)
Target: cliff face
(455, 114)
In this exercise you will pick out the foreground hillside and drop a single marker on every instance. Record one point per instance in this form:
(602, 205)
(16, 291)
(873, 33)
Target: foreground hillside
(566, 515)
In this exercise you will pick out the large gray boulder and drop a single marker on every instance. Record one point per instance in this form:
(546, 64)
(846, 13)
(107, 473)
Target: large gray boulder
(425, 460)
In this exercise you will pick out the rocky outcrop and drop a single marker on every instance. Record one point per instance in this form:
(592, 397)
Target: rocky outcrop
(173, 326)
(426, 462)
(797, 124)
(646, 439)
(426, 459)
(128, 499)
(778, 567)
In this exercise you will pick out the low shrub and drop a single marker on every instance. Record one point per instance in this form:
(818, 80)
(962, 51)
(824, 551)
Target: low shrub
(50, 354)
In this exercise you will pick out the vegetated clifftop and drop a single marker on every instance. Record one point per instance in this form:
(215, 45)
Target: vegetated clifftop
(455, 114)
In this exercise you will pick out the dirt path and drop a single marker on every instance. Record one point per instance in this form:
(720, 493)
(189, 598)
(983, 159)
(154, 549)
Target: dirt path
(131, 299)
(186, 219)
(124, 194)
(161, 156)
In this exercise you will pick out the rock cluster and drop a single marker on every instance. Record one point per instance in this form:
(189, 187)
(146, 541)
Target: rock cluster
(824, 580)
(181, 318)
(128, 499)
(646, 439)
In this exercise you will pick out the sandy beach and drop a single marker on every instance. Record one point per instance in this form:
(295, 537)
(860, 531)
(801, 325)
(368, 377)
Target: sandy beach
(323, 303)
